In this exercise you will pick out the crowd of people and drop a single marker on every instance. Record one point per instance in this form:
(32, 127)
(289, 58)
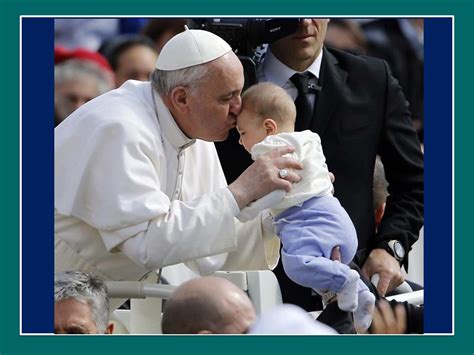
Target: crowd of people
(140, 185)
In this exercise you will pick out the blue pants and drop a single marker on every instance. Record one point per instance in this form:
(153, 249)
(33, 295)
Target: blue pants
(308, 234)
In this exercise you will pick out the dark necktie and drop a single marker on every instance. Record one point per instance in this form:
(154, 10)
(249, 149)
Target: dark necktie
(304, 107)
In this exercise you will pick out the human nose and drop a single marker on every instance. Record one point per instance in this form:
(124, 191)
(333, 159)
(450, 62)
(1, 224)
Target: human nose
(305, 22)
(236, 105)
(240, 140)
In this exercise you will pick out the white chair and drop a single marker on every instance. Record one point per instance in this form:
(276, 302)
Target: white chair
(144, 316)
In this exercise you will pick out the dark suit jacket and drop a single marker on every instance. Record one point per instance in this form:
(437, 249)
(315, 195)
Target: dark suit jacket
(360, 112)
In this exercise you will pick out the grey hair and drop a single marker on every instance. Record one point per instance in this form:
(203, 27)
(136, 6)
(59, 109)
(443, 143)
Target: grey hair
(74, 69)
(84, 288)
(380, 184)
(164, 81)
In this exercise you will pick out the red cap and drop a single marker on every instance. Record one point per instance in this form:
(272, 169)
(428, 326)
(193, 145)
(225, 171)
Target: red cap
(62, 54)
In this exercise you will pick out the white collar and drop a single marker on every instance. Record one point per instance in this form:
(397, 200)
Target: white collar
(279, 73)
(168, 125)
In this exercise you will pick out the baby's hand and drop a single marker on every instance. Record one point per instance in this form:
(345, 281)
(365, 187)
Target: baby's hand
(336, 253)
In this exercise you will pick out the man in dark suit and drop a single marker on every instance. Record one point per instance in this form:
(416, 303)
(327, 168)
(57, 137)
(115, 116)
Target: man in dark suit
(359, 111)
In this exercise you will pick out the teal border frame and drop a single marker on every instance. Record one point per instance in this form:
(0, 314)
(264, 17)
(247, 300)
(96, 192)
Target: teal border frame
(10, 340)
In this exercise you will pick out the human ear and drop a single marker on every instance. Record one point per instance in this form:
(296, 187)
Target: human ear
(271, 126)
(110, 328)
(179, 98)
(379, 212)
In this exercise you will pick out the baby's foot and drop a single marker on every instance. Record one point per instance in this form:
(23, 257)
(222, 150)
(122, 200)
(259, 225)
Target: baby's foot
(364, 312)
(347, 298)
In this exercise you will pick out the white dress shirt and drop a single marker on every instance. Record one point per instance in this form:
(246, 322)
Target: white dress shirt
(278, 73)
(133, 194)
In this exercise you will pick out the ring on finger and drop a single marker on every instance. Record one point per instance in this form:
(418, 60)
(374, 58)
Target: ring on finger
(283, 173)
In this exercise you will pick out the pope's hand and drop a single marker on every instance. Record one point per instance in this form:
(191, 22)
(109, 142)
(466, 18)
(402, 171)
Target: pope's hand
(262, 177)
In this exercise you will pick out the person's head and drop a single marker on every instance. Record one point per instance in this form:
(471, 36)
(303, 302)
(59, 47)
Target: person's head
(81, 305)
(380, 186)
(346, 34)
(208, 305)
(200, 84)
(76, 82)
(300, 49)
(266, 110)
(131, 57)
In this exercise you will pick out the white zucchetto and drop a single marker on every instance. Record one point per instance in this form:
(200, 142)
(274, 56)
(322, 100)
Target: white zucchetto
(189, 48)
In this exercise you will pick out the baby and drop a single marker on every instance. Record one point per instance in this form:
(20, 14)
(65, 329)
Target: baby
(309, 220)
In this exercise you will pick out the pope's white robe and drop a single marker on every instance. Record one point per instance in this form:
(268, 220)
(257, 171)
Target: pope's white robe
(133, 194)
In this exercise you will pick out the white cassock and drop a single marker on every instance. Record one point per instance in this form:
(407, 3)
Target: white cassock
(134, 194)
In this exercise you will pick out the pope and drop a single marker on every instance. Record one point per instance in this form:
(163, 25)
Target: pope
(138, 183)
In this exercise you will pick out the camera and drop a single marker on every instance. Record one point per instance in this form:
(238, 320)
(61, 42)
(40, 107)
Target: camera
(245, 35)
(248, 37)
